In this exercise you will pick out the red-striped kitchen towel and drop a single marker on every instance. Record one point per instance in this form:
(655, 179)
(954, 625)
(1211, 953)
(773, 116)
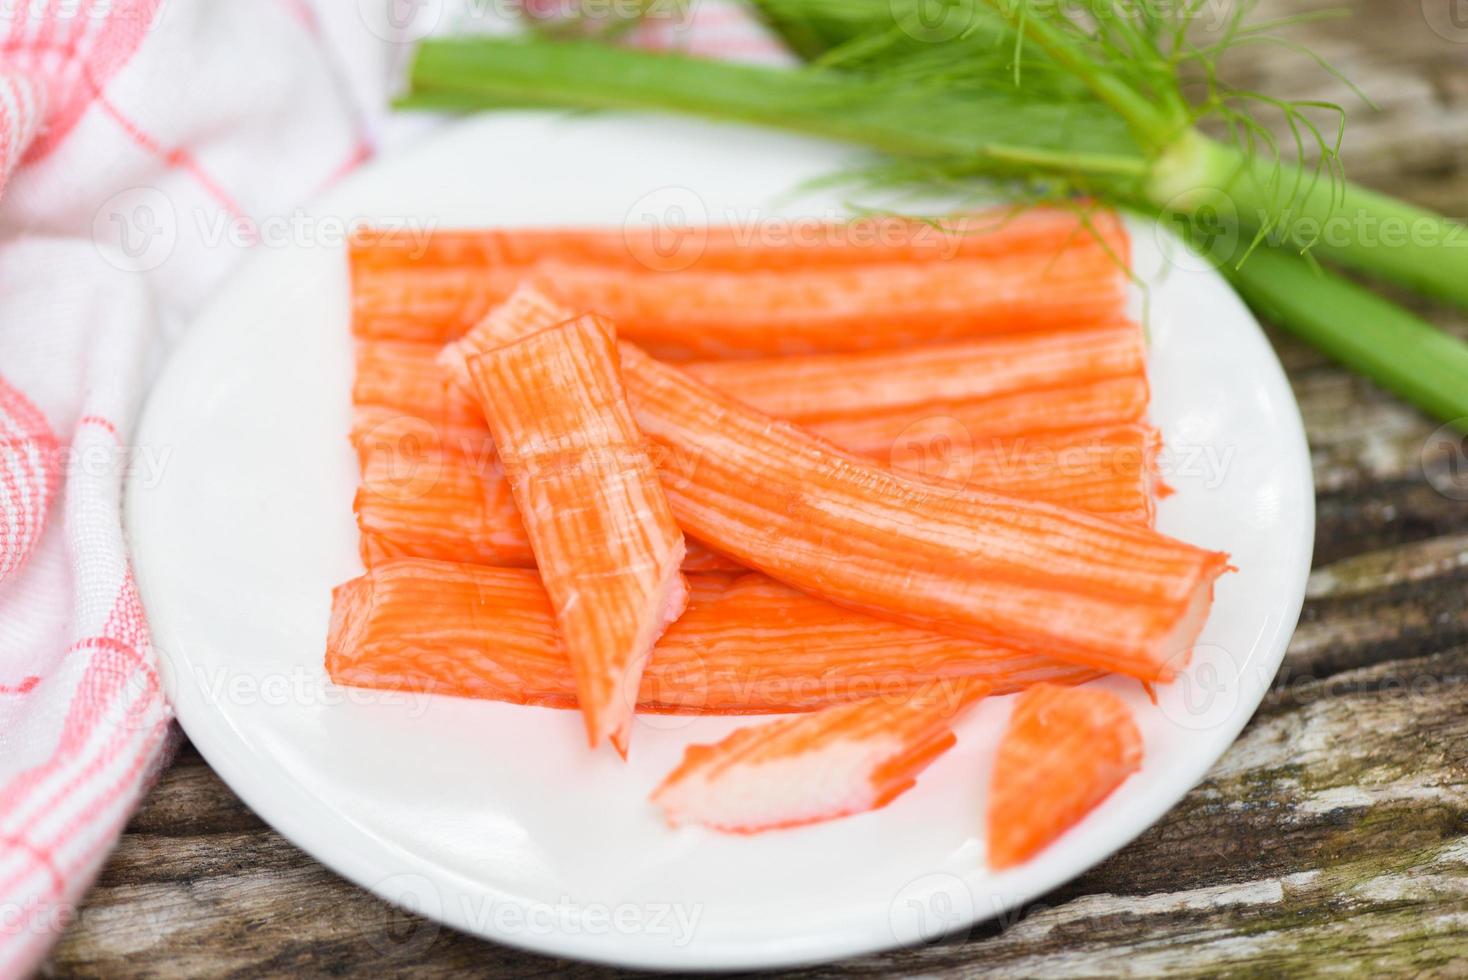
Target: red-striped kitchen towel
(143, 146)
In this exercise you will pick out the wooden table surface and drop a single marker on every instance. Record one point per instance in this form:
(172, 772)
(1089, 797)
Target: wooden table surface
(1334, 833)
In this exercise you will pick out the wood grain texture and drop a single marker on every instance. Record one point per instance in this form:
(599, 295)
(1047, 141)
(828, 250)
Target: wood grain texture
(1334, 834)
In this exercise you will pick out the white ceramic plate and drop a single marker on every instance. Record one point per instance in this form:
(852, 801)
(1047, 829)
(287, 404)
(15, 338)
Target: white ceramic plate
(494, 818)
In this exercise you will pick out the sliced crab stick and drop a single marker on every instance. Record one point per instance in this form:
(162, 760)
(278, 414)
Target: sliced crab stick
(593, 508)
(972, 563)
(525, 311)
(766, 245)
(745, 645)
(842, 760)
(1065, 750)
(751, 314)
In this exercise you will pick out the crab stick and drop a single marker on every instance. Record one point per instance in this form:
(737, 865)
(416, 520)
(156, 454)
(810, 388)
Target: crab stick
(880, 404)
(989, 408)
(751, 314)
(593, 508)
(817, 387)
(1102, 401)
(790, 244)
(421, 499)
(524, 312)
(745, 645)
(1065, 750)
(842, 760)
(417, 501)
(1079, 377)
(972, 563)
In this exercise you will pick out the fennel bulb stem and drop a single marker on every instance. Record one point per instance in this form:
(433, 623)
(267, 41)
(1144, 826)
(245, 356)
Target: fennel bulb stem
(1388, 344)
(904, 123)
(1295, 208)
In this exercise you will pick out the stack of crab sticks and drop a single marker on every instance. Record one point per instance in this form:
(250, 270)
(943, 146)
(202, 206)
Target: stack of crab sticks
(864, 482)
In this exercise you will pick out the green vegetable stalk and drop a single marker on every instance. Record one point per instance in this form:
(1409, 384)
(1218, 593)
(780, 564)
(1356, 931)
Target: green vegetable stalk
(1029, 98)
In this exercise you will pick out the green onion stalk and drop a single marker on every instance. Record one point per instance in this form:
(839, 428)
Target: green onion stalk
(1104, 98)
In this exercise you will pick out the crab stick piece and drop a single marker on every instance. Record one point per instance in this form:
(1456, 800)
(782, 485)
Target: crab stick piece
(752, 314)
(1109, 471)
(526, 311)
(1104, 401)
(407, 375)
(968, 562)
(745, 645)
(435, 505)
(842, 760)
(593, 508)
(421, 499)
(732, 248)
(380, 429)
(418, 501)
(817, 387)
(1065, 750)
(864, 402)
(1067, 402)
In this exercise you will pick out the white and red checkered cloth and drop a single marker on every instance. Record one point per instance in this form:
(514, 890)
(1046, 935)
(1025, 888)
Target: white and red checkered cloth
(142, 143)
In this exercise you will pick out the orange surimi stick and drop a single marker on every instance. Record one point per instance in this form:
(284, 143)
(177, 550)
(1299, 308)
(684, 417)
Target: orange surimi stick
(1080, 377)
(818, 387)
(1065, 750)
(525, 311)
(1110, 471)
(845, 759)
(763, 313)
(787, 245)
(435, 505)
(1105, 401)
(895, 406)
(971, 563)
(1067, 402)
(420, 500)
(593, 508)
(406, 375)
(744, 646)
(416, 500)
